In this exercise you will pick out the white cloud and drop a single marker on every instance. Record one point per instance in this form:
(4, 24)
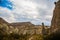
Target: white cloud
(7, 14)
(37, 11)
(23, 7)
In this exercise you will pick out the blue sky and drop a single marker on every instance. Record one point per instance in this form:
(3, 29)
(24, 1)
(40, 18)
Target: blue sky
(34, 11)
(6, 3)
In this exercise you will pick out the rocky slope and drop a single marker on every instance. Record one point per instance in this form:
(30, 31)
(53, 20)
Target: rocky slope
(22, 27)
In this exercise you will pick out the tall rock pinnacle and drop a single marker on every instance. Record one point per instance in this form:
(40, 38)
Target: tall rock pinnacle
(55, 23)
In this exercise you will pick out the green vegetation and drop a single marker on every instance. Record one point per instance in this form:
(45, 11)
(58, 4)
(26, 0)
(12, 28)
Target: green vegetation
(36, 37)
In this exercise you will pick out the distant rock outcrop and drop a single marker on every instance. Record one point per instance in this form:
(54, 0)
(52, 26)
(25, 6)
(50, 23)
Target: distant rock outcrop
(21, 24)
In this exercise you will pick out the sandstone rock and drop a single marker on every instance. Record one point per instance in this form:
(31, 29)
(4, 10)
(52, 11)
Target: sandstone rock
(55, 23)
(25, 27)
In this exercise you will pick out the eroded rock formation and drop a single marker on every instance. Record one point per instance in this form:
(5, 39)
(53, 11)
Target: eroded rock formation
(24, 27)
(55, 23)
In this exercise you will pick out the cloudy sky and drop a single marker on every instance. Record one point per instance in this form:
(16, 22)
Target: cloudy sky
(34, 11)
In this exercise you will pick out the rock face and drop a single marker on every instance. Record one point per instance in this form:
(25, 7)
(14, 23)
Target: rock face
(55, 23)
(3, 21)
(24, 27)
(21, 24)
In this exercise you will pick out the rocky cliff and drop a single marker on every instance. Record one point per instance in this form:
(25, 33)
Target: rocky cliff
(55, 23)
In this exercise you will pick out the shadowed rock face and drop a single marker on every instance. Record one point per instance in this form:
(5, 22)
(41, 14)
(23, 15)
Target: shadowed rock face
(3, 21)
(55, 23)
(54, 36)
